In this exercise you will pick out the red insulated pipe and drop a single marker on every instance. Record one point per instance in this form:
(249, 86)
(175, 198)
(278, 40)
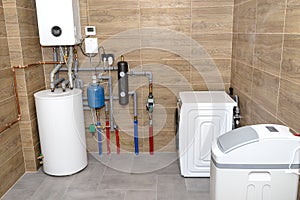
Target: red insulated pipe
(151, 140)
(107, 137)
(151, 145)
(118, 141)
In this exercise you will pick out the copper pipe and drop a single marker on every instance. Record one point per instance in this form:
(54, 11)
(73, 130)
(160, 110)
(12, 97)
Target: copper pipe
(8, 125)
(16, 93)
(38, 63)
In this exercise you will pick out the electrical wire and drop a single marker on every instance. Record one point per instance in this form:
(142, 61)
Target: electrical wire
(290, 170)
(96, 128)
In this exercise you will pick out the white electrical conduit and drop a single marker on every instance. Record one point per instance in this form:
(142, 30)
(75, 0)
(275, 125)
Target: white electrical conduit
(111, 99)
(55, 70)
(290, 170)
(147, 74)
(93, 69)
(70, 65)
(133, 93)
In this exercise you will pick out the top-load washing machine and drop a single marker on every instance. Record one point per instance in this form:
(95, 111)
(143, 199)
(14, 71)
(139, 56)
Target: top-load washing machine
(201, 117)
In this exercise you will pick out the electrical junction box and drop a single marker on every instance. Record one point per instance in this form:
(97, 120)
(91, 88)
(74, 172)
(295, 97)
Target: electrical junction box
(58, 22)
(91, 45)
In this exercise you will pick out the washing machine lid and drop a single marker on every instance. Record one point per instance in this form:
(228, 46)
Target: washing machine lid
(206, 98)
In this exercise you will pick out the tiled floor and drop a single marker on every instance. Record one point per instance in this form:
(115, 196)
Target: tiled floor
(120, 177)
(115, 177)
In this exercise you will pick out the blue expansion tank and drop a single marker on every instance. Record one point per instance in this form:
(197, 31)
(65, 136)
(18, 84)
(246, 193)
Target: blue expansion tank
(95, 94)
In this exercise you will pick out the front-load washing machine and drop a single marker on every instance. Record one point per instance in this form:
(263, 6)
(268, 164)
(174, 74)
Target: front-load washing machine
(201, 117)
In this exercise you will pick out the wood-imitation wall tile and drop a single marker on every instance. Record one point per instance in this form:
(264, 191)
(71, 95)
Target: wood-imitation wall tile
(114, 21)
(242, 78)
(291, 60)
(246, 13)
(212, 20)
(177, 19)
(8, 110)
(165, 4)
(10, 143)
(268, 50)
(270, 16)
(288, 105)
(11, 171)
(265, 90)
(261, 116)
(292, 24)
(211, 3)
(6, 86)
(216, 46)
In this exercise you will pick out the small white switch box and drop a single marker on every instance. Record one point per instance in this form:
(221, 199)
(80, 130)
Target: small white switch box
(91, 45)
(90, 30)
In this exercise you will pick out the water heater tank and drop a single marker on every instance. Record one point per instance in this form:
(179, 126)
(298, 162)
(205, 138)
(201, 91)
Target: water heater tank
(61, 130)
(58, 22)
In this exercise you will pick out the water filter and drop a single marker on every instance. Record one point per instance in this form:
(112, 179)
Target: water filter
(95, 94)
(58, 22)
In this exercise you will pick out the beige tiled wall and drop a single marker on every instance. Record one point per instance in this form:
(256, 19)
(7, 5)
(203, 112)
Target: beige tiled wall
(24, 48)
(265, 61)
(11, 156)
(174, 62)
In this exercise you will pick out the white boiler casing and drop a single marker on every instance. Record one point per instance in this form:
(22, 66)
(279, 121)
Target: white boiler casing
(58, 22)
(61, 130)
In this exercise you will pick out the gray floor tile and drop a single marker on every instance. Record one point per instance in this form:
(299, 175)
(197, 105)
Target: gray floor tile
(30, 181)
(52, 188)
(95, 157)
(120, 182)
(25, 187)
(111, 171)
(173, 187)
(120, 164)
(89, 179)
(171, 183)
(95, 195)
(181, 195)
(197, 184)
(128, 182)
(198, 196)
(15, 194)
(140, 194)
(159, 163)
(145, 163)
(171, 169)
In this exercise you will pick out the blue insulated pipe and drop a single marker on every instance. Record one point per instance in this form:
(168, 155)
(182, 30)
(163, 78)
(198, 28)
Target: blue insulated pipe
(136, 138)
(99, 137)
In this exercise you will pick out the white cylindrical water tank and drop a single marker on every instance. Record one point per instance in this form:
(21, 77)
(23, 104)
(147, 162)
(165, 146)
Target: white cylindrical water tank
(61, 130)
